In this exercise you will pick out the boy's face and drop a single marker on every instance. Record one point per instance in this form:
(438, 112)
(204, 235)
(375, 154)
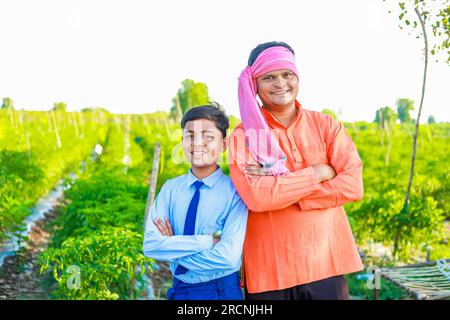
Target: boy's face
(202, 142)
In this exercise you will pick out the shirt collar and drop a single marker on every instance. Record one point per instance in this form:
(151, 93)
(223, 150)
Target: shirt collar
(210, 180)
(273, 122)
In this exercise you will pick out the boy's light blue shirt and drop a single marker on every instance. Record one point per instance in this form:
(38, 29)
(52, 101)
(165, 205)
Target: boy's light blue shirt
(220, 208)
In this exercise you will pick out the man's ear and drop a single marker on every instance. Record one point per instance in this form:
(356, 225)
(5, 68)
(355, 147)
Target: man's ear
(225, 143)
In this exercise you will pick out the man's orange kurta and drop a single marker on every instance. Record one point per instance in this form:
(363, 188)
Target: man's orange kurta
(297, 229)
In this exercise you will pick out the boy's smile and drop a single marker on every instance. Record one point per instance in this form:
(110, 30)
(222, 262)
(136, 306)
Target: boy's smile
(202, 144)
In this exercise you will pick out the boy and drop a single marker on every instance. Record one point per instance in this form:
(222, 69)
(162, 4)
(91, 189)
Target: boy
(198, 220)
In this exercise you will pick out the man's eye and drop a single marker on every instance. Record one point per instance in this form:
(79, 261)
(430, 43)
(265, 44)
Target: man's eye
(209, 137)
(267, 78)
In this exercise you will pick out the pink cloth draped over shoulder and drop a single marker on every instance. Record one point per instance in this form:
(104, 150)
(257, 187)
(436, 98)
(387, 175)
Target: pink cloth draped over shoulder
(261, 143)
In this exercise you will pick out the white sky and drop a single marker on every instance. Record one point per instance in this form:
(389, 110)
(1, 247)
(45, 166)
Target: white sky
(131, 56)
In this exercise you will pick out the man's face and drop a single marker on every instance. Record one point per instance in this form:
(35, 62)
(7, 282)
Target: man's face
(277, 88)
(202, 142)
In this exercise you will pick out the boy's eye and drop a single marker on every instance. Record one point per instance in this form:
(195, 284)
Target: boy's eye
(267, 78)
(208, 137)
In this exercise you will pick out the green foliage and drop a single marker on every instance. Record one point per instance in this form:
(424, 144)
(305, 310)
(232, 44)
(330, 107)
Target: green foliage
(32, 161)
(100, 200)
(436, 17)
(8, 103)
(100, 230)
(385, 117)
(95, 109)
(100, 226)
(104, 261)
(431, 120)
(20, 177)
(60, 106)
(330, 112)
(359, 289)
(191, 94)
(379, 216)
(404, 107)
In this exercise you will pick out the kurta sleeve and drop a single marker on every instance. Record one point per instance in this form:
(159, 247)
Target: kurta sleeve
(267, 193)
(347, 185)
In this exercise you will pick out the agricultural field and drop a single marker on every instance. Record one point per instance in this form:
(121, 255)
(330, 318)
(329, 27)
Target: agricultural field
(94, 248)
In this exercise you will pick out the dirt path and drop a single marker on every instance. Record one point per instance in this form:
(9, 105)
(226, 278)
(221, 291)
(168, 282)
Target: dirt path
(162, 280)
(20, 277)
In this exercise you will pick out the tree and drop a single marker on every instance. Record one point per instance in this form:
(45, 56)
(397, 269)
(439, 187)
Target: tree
(330, 112)
(191, 94)
(435, 15)
(8, 103)
(431, 119)
(94, 109)
(404, 107)
(60, 106)
(426, 13)
(423, 13)
(385, 117)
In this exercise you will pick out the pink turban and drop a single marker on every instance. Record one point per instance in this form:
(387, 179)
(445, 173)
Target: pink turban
(261, 142)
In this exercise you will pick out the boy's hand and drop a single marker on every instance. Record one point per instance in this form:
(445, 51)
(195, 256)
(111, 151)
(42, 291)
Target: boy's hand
(164, 226)
(216, 240)
(166, 229)
(216, 236)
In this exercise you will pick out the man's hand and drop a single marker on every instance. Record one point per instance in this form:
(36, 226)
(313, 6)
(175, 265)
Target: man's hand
(164, 226)
(324, 172)
(255, 169)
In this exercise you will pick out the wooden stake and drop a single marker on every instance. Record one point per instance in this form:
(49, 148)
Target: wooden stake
(75, 124)
(153, 180)
(58, 139)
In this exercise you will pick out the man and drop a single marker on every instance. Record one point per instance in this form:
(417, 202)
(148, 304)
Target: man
(294, 169)
(198, 220)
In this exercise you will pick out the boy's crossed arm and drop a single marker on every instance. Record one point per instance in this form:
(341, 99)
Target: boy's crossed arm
(168, 248)
(166, 229)
(225, 252)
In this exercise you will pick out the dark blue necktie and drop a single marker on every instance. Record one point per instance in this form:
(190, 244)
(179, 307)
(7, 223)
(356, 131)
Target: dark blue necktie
(189, 223)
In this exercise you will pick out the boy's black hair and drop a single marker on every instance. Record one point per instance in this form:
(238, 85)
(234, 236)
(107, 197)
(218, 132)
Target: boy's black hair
(263, 46)
(211, 111)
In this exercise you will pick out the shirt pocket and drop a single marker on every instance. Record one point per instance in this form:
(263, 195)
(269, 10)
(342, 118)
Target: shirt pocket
(212, 226)
(315, 154)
